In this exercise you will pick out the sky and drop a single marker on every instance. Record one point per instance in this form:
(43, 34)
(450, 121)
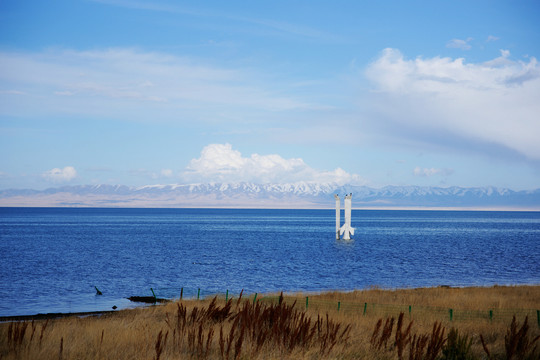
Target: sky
(427, 93)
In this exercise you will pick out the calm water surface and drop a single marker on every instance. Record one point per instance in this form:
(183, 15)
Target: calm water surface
(51, 258)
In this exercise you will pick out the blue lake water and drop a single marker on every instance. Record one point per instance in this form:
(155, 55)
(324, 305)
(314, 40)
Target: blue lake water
(51, 258)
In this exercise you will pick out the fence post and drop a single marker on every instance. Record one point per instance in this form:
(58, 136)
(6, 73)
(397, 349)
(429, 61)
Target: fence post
(538, 317)
(365, 308)
(181, 293)
(155, 299)
(307, 301)
(227, 295)
(254, 298)
(451, 313)
(490, 315)
(410, 309)
(198, 293)
(338, 305)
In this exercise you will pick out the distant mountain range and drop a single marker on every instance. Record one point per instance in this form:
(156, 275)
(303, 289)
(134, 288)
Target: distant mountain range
(250, 195)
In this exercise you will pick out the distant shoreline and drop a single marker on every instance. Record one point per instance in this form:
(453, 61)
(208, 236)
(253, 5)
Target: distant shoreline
(299, 195)
(388, 208)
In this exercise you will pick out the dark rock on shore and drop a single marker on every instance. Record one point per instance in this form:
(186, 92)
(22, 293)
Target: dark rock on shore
(147, 299)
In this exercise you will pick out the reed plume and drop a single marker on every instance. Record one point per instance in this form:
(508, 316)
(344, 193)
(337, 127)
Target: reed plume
(402, 338)
(60, 353)
(517, 343)
(160, 343)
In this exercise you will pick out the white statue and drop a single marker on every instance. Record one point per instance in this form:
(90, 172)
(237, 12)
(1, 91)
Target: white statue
(346, 230)
(338, 210)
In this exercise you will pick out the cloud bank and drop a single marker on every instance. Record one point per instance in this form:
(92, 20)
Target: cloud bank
(221, 163)
(428, 172)
(133, 83)
(494, 103)
(460, 44)
(58, 175)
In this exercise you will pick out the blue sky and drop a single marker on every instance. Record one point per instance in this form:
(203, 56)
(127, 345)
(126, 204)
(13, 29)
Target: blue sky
(430, 93)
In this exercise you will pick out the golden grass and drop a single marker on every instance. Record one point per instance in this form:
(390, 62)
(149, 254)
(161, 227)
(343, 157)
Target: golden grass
(157, 332)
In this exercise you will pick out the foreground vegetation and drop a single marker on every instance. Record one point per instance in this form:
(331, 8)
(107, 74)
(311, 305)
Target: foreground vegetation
(277, 327)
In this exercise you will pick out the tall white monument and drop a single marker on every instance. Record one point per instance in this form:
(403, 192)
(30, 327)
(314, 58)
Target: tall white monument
(346, 230)
(338, 221)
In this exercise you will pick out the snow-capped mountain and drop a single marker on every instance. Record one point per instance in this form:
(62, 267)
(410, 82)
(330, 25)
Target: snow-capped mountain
(250, 195)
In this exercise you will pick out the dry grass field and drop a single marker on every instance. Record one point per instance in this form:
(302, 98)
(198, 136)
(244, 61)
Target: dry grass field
(428, 323)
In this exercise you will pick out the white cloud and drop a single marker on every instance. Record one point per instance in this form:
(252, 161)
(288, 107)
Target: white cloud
(459, 44)
(134, 83)
(221, 163)
(428, 172)
(60, 175)
(492, 38)
(166, 173)
(148, 174)
(481, 104)
(12, 92)
(278, 27)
